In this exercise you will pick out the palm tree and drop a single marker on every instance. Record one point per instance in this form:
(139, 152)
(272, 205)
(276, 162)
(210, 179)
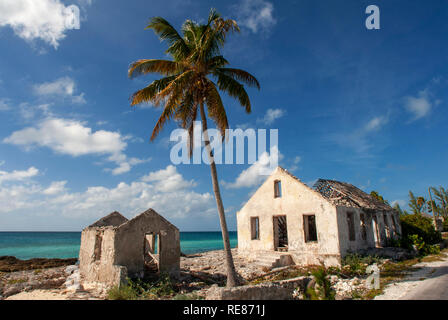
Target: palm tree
(441, 196)
(190, 84)
(417, 204)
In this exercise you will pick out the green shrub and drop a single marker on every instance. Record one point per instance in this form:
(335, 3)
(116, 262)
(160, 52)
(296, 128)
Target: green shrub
(445, 225)
(137, 289)
(356, 264)
(417, 224)
(163, 287)
(323, 289)
(123, 292)
(422, 247)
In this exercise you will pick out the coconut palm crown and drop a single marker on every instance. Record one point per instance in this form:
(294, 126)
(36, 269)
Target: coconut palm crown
(194, 75)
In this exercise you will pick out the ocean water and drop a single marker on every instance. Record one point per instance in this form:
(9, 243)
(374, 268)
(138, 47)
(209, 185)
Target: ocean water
(27, 245)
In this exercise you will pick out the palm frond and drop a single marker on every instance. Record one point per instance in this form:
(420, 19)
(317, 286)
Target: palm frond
(216, 62)
(166, 32)
(181, 82)
(148, 93)
(169, 111)
(234, 89)
(187, 114)
(215, 108)
(241, 75)
(145, 66)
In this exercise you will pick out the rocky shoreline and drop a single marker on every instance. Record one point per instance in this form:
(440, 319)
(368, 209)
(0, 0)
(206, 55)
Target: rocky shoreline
(58, 279)
(12, 264)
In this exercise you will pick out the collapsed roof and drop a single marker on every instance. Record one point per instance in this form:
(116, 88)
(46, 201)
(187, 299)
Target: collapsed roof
(347, 195)
(112, 220)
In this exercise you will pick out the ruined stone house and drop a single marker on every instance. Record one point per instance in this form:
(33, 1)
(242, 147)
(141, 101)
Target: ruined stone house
(287, 222)
(114, 248)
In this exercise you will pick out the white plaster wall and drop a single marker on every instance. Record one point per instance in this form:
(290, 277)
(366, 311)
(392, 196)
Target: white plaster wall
(102, 270)
(297, 200)
(347, 246)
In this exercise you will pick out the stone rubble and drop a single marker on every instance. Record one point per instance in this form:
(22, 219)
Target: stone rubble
(198, 273)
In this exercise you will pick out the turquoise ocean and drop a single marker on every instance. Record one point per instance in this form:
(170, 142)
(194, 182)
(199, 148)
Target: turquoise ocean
(27, 245)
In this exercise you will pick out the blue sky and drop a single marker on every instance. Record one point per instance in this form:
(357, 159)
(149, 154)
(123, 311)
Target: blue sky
(362, 106)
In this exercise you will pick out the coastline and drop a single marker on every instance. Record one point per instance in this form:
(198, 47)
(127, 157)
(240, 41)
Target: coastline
(65, 245)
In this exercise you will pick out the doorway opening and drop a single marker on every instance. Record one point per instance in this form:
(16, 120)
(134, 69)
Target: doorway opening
(151, 251)
(280, 233)
(376, 232)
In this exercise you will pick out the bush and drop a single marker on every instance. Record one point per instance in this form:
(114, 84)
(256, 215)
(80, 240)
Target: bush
(422, 247)
(123, 292)
(445, 225)
(417, 224)
(141, 290)
(356, 264)
(322, 289)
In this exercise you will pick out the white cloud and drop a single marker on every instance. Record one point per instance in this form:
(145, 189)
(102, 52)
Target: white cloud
(255, 174)
(72, 138)
(257, 15)
(85, 2)
(47, 20)
(55, 188)
(167, 180)
(4, 105)
(63, 87)
(271, 115)
(360, 139)
(420, 106)
(69, 137)
(376, 123)
(295, 164)
(31, 112)
(18, 175)
(96, 201)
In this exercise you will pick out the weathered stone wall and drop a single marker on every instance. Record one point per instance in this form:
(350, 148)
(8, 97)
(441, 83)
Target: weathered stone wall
(109, 254)
(129, 244)
(280, 290)
(371, 241)
(99, 266)
(297, 200)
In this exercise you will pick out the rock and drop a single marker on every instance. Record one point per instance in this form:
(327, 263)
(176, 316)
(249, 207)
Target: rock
(14, 289)
(268, 291)
(334, 279)
(71, 269)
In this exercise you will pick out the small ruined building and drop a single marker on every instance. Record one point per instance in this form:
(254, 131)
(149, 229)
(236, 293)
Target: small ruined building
(287, 222)
(114, 248)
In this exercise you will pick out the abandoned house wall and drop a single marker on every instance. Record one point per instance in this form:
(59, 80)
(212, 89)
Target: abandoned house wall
(296, 201)
(96, 256)
(130, 244)
(369, 228)
(113, 248)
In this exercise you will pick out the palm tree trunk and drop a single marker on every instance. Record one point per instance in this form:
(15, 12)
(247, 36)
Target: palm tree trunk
(232, 280)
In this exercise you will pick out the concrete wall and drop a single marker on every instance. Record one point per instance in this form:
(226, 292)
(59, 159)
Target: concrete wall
(297, 200)
(129, 244)
(122, 249)
(103, 269)
(346, 245)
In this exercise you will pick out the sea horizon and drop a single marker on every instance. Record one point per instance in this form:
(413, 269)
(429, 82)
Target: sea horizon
(65, 244)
